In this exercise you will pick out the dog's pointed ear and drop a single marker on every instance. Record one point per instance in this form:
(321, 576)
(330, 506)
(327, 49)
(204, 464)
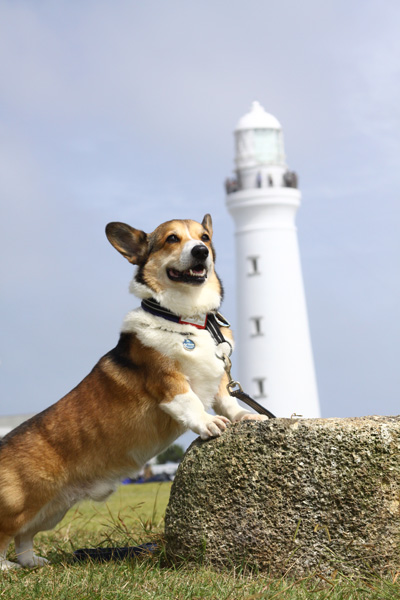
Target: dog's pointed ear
(207, 224)
(131, 243)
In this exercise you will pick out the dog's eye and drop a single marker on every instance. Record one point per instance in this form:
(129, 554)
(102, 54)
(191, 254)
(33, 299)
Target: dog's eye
(205, 237)
(172, 239)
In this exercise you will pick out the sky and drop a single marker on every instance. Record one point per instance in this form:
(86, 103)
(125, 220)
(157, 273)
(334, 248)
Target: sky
(125, 111)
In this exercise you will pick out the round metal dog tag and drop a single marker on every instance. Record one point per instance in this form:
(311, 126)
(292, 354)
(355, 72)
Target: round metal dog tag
(188, 344)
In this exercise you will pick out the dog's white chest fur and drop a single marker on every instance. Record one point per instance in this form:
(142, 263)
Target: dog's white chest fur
(194, 349)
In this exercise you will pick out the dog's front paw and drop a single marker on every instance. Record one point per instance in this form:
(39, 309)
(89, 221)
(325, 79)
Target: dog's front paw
(213, 427)
(252, 417)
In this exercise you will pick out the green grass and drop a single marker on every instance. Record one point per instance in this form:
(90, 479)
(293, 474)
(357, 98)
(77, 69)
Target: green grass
(136, 504)
(135, 515)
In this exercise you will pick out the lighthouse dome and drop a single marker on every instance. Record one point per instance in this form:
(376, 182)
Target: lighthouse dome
(259, 145)
(257, 118)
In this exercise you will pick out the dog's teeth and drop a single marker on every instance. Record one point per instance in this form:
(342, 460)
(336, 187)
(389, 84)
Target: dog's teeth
(197, 273)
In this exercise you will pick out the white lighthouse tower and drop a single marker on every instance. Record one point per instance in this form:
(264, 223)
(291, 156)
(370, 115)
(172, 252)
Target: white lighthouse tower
(273, 352)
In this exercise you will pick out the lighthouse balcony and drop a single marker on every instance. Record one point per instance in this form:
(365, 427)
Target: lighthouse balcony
(261, 178)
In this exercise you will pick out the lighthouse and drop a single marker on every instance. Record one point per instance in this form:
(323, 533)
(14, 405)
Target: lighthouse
(273, 354)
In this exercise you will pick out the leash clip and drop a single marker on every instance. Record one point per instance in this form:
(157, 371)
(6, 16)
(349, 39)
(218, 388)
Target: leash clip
(232, 386)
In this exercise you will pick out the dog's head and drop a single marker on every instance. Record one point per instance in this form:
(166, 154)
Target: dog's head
(175, 264)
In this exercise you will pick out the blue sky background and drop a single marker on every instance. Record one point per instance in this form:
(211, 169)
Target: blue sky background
(125, 111)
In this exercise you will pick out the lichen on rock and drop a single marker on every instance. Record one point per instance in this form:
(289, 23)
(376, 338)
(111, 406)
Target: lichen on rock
(291, 495)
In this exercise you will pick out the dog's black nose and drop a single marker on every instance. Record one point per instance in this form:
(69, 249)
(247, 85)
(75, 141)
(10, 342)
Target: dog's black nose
(200, 252)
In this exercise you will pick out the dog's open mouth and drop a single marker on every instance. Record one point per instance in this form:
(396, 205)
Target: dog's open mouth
(196, 275)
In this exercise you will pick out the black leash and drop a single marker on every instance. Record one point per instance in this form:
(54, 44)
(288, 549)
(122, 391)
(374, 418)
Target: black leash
(107, 554)
(241, 395)
(212, 322)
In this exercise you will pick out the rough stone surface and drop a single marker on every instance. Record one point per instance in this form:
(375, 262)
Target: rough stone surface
(291, 495)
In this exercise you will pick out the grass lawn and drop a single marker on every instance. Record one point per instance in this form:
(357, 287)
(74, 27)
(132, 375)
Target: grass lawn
(133, 515)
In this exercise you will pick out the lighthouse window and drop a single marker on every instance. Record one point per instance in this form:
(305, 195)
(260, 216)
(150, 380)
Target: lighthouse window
(256, 321)
(268, 146)
(253, 262)
(259, 385)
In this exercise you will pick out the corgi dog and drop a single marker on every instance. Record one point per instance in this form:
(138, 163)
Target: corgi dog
(159, 381)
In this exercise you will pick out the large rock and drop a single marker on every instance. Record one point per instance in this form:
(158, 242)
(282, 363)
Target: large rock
(291, 495)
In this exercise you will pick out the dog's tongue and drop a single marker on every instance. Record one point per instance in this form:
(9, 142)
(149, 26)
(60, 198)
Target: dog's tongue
(174, 273)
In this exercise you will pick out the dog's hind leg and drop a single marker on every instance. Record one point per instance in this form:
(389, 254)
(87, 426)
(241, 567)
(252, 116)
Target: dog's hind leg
(24, 539)
(6, 564)
(25, 554)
